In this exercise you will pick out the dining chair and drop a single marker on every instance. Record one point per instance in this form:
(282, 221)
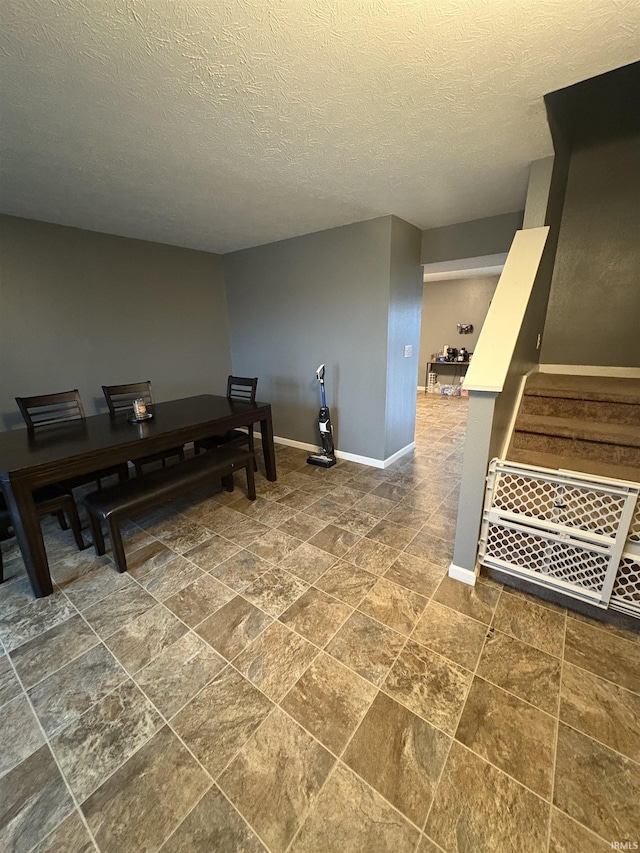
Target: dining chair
(51, 410)
(49, 500)
(120, 399)
(238, 388)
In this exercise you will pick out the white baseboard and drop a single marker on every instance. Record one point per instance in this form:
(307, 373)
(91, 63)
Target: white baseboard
(348, 457)
(460, 574)
(290, 442)
(408, 448)
(591, 370)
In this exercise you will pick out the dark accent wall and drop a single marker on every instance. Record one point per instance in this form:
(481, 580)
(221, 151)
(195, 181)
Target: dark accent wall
(594, 304)
(599, 109)
(79, 309)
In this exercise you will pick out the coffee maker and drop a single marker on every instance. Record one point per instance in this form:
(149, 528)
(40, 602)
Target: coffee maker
(463, 355)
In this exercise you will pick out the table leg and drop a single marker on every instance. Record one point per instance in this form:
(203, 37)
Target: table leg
(266, 429)
(26, 526)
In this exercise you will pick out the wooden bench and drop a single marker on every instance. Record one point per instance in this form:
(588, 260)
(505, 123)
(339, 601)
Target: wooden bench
(129, 498)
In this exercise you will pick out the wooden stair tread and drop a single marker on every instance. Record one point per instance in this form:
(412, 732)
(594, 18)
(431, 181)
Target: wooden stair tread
(627, 435)
(605, 388)
(572, 463)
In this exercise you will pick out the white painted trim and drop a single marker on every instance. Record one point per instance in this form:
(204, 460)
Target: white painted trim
(290, 442)
(408, 448)
(348, 457)
(362, 460)
(422, 387)
(490, 389)
(465, 268)
(591, 370)
(464, 575)
(500, 332)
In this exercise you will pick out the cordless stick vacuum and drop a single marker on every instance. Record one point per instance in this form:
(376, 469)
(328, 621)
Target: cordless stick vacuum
(326, 457)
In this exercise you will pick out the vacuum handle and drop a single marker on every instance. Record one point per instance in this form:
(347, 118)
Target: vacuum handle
(320, 378)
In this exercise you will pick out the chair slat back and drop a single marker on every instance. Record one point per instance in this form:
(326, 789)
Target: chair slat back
(121, 397)
(242, 388)
(51, 409)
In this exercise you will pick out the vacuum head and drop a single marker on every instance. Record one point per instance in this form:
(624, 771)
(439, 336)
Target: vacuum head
(322, 460)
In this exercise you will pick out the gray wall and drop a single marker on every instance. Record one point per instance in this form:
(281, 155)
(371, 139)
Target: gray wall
(444, 305)
(79, 309)
(535, 208)
(323, 297)
(405, 302)
(476, 238)
(595, 294)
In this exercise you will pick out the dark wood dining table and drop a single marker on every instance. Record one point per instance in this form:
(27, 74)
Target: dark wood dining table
(56, 453)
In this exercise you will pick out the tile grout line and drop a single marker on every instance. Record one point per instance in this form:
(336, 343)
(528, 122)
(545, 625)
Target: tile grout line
(129, 676)
(560, 722)
(506, 690)
(462, 707)
(602, 627)
(602, 678)
(179, 824)
(167, 723)
(557, 734)
(600, 743)
(192, 630)
(47, 743)
(357, 727)
(277, 705)
(381, 690)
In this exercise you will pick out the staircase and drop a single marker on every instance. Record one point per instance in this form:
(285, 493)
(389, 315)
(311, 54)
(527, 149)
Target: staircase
(547, 520)
(580, 423)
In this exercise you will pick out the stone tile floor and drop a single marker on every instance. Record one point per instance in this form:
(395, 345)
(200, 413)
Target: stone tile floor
(298, 674)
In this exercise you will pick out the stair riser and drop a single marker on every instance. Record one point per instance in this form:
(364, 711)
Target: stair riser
(588, 410)
(612, 453)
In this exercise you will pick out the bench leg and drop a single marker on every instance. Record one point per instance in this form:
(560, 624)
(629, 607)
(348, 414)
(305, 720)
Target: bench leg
(116, 543)
(251, 481)
(227, 482)
(96, 533)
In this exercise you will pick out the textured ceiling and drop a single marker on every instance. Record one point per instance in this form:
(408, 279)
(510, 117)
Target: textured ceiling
(221, 124)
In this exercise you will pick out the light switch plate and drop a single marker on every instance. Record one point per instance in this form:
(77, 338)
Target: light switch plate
(408, 351)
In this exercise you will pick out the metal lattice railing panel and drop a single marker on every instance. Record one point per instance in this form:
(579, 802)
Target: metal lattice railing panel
(560, 529)
(549, 557)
